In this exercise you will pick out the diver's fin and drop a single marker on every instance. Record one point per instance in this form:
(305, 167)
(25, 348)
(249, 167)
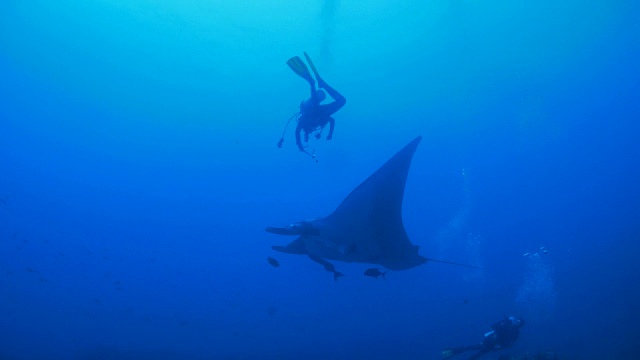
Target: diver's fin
(447, 353)
(297, 65)
(313, 67)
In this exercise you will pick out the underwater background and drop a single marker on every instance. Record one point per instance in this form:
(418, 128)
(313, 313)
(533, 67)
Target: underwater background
(139, 169)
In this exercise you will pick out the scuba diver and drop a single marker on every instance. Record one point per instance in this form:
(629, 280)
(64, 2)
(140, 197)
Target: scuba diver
(313, 116)
(503, 334)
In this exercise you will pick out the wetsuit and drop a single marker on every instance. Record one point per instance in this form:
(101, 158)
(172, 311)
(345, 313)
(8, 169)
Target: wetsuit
(314, 116)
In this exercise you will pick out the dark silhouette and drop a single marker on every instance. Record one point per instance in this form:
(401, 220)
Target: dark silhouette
(366, 228)
(273, 262)
(374, 272)
(314, 115)
(327, 266)
(504, 334)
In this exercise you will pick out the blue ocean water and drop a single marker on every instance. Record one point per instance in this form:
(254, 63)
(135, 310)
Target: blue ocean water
(139, 169)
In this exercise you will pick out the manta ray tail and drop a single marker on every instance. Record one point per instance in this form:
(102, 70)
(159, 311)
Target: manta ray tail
(454, 263)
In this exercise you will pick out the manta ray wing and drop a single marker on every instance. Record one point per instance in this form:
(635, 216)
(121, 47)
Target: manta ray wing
(367, 227)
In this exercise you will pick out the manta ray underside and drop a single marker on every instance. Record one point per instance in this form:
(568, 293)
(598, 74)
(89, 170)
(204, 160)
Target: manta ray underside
(367, 227)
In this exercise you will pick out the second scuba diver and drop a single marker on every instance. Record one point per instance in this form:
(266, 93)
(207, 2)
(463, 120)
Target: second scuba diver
(503, 334)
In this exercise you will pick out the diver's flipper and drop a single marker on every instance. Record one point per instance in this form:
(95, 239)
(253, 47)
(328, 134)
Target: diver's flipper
(313, 67)
(447, 353)
(297, 65)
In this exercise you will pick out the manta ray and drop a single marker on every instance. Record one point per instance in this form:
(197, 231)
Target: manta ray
(367, 227)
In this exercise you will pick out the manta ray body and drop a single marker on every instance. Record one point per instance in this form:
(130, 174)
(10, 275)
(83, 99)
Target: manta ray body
(367, 227)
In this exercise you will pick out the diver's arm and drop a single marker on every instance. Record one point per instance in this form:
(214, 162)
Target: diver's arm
(332, 124)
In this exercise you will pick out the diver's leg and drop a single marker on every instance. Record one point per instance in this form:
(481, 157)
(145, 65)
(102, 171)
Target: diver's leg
(447, 353)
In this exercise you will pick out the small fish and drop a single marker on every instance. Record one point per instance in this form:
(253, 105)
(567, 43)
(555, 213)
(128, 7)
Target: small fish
(374, 272)
(273, 262)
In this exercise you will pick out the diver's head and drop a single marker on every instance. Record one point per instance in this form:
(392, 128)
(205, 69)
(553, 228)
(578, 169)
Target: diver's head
(516, 322)
(316, 98)
(319, 96)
